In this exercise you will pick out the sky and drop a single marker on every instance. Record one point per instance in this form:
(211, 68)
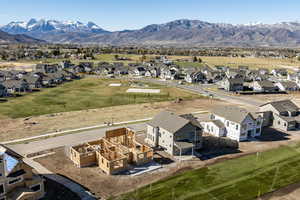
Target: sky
(116, 15)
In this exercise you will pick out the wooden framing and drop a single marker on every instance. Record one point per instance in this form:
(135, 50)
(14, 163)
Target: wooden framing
(113, 153)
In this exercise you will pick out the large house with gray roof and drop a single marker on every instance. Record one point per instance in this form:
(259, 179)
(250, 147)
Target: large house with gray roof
(283, 115)
(287, 86)
(264, 86)
(232, 84)
(176, 134)
(233, 122)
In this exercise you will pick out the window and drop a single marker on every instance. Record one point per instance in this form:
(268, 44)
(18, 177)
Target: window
(237, 127)
(36, 188)
(258, 130)
(16, 180)
(227, 123)
(2, 189)
(278, 122)
(257, 123)
(285, 124)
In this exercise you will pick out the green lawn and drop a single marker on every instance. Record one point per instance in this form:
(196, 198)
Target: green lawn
(243, 178)
(84, 94)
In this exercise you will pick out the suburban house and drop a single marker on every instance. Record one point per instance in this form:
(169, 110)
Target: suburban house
(176, 134)
(13, 86)
(287, 86)
(139, 71)
(254, 75)
(283, 115)
(17, 180)
(33, 81)
(152, 72)
(233, 122)
(264, 86)
(232, 84)
(279, 72)
(3, 91)
(263, 71)
(168, 74)
(47, 68)
(195, 77)
(214, 127)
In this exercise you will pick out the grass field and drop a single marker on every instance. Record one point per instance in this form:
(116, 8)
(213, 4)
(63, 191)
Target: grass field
(243, 178)
(270, 63)
(210, 60)
(84, 94)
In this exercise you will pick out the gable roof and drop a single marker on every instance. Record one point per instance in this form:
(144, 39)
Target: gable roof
(235, 80)
(289, 84)
(232, 113)
(171, 122)
(283, 106)
(266, 84)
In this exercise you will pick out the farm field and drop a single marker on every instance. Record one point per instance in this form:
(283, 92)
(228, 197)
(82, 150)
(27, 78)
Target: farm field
(244, 178)
(270, 63)
(88, 93)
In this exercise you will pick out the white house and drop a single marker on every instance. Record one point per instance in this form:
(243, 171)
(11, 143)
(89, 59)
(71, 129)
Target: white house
(214, 127)
(233, 122)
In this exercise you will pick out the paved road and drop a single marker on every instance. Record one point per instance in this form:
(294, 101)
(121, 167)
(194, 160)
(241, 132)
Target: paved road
(245, 100)
(67, 140)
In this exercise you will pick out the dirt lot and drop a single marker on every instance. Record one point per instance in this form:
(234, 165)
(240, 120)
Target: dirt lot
(105, 186)
(26, 127)
(17, 66)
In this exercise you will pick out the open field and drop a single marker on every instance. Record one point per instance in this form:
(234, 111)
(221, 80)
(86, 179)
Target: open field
(37, 125)
(270, 63)
(89, 93)
(210, 60)
(244, 178)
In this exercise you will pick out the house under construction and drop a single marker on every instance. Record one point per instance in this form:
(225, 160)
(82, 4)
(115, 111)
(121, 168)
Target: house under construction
(113, 153)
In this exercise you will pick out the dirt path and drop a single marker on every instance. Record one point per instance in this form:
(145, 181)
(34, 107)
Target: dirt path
(291, 192)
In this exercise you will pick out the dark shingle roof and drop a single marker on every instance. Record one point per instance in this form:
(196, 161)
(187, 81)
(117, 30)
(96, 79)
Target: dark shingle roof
(170, 121)
(266, 84)
(289, 84)
(283, 106)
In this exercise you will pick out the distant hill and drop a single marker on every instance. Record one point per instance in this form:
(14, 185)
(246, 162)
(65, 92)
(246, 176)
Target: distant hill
(179, 32)
(8, 38)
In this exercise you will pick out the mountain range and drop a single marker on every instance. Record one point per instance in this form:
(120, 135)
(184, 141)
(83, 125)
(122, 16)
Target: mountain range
(182, 32)
(6, 38)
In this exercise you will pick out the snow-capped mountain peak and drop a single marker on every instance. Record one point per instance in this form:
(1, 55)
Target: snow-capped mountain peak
(42, 25)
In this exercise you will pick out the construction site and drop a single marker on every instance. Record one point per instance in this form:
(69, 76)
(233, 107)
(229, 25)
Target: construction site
(114, 153)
